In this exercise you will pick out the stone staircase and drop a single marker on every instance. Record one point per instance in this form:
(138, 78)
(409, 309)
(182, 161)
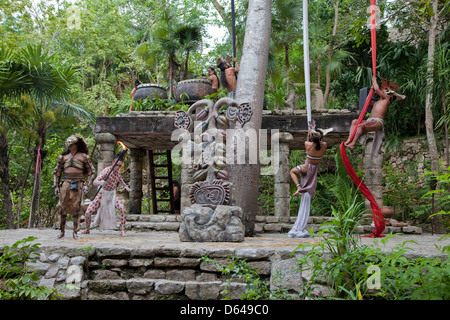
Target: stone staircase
(173, 273)
(263, 224)
(171, 223)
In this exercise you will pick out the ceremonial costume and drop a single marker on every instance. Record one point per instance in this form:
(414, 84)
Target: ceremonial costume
(308, 179)
(308, 183)
(106, 202)
(76, 172)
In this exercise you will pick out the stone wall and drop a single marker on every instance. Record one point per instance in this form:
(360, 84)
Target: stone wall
(413, 151)
(113, 273)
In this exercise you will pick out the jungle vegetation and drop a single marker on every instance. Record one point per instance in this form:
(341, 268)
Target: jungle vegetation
(63, 63)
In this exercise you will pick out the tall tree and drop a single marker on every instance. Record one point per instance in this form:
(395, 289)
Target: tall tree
(12, 85)
(331, 48)
(285, 24)
(429, 121)
(250, 89)
(49, 84)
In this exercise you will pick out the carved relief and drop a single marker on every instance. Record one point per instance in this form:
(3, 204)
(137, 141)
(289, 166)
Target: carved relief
(210, 162)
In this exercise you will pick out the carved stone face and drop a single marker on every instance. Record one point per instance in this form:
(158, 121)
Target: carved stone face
(71, 140)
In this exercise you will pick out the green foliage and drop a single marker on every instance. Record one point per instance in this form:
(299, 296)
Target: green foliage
(16, 281)
(256, 289)
(347, 272)
(441, 193)
(404, 192)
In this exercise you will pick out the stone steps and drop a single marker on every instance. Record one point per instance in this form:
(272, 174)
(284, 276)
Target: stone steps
(162, 289)
(174, 274)
(263, 224)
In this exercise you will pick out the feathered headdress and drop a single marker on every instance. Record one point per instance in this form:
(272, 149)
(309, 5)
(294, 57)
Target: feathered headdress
(319, 133)
(391, 88)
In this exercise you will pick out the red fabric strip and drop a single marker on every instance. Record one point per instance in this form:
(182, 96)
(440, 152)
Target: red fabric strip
(376, 211)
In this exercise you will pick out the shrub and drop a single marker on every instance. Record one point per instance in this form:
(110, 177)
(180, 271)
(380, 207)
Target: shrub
(16, 281)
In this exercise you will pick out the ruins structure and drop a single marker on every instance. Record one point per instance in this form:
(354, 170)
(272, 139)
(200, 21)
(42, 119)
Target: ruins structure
(153, 130)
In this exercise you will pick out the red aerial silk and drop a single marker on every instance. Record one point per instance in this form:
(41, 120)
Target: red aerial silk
(377, 216)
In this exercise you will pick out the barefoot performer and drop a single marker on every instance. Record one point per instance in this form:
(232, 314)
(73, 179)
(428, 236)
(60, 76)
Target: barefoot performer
(375, 123)
(315, 150)
(74, 162)
(106, 200)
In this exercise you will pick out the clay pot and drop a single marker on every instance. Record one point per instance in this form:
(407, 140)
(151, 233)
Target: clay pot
(387, 212)
(192, 90)
(146, 90)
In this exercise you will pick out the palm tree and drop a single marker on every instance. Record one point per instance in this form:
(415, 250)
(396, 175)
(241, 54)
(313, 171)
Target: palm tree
(12, 83)
(162, 45)
(168, 38)
(34, 75)
(285, 23)
(189, 37)
(50, 86)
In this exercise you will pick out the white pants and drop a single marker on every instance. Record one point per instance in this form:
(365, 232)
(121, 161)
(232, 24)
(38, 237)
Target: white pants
(299, 229)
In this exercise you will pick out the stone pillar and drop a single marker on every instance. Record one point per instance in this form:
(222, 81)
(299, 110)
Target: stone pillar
(373, 177)
(137, 156)
(186, 182)
(106, 145)
(282, 177)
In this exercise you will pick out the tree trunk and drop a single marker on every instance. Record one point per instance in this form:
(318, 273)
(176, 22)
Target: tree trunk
(330, 49)
(429, 123)
(4, 176)
(250, 89)
(286, 57)
(34, 208)
(171, 76)
(221, 10)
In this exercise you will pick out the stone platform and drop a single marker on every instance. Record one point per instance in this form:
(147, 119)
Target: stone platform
(156, 265)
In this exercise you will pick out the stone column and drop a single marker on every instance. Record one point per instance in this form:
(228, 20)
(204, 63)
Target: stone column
(137, 156)
(106, 145)
(282, 177)
(187, 181)
(373, 177)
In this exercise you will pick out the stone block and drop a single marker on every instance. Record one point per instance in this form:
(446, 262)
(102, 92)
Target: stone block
(263, 267)
(232, 290)
(285, 274)
(78, 261)
(202, 290)
(272, 228)
(102, 274)
(101, 286)
(181, 275)
(252, 254)
(211, 223)
(272, 219)
(412, 230)
(140, 286)
(117, 263)
(142, 253)
(155, 274)
(166, 287)
(115, 296)
(140, 263)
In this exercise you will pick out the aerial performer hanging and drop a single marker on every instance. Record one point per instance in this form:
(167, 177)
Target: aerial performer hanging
(305, 176)
(386, 95)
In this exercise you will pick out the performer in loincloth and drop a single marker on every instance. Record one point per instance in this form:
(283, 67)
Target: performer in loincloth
(106, 202)
(228, 75)
(375, 122)
(75, 164)
(315, 150)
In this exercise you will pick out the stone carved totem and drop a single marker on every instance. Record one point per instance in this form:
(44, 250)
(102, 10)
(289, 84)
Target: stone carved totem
(212, 216)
